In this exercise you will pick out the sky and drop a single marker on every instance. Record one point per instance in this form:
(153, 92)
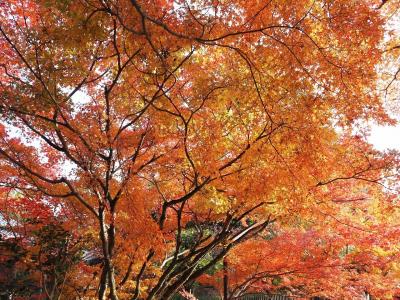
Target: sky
(385, 137)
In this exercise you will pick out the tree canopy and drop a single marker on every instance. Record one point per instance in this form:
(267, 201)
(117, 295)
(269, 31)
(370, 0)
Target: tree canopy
(150, 146)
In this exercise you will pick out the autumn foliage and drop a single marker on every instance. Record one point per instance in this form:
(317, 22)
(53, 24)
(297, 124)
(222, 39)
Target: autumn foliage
(149, 147)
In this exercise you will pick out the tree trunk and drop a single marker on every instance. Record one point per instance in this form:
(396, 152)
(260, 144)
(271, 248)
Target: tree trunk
(103, 282)
(225, 279)
(107, 237)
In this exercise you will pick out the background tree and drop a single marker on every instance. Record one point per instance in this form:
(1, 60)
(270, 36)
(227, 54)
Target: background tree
(158, 118)
(39, 256)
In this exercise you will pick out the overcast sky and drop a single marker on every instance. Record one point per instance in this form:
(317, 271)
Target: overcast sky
(385, 137)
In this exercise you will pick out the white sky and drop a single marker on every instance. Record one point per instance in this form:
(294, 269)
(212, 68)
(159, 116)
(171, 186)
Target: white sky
(385, 137)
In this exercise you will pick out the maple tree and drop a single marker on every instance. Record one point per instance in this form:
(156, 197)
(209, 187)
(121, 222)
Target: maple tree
(176, 134)
(38, 254)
